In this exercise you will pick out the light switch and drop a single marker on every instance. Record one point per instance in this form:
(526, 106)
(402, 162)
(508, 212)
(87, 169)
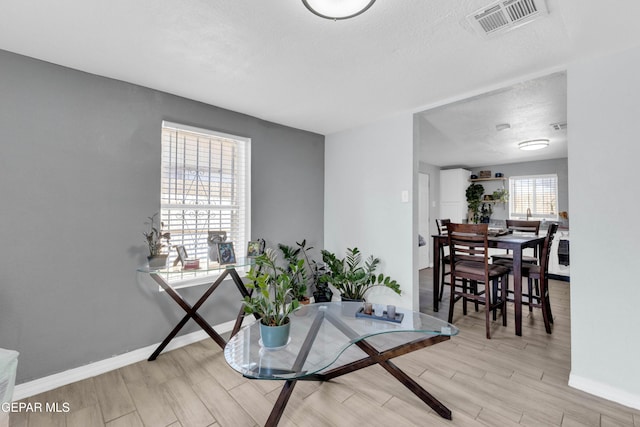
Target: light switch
(405, 196)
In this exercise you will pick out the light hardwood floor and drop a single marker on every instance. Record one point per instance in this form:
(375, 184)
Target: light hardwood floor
(504, 381)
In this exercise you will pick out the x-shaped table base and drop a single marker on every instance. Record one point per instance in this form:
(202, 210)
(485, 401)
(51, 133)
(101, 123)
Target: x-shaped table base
(374, 357)
(192, 310)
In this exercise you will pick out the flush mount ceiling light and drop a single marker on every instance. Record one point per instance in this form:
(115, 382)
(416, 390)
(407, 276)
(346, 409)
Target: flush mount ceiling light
(533, 144)
(338, 9)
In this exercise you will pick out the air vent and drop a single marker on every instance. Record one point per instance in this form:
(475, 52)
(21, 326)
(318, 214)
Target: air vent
(559, 125)
(506, 15)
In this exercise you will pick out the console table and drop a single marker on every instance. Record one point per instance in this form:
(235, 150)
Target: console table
(327, 340)
(163, 277)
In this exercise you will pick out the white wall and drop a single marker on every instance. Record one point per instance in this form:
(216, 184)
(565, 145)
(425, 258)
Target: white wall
(366, 170)
(604, 107)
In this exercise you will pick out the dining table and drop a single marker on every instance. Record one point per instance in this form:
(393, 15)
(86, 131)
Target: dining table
(516, 243)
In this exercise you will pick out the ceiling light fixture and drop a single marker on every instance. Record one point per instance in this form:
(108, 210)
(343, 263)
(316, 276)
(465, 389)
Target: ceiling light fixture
(338, 9)
(533, 144)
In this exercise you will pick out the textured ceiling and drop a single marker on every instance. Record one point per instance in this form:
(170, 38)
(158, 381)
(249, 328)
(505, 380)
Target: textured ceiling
(277, 61)
(466, 133)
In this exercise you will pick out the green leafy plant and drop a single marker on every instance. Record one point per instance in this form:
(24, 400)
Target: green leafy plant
(474, 200)
(353, 279)
(501, 195)
(308, 274)
(301, 277)
(272, 297)
(154, 235)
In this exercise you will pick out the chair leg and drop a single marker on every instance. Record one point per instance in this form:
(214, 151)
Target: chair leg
(545, 314)
(530, 290)
(442, 272)
(487, 309)
(452, 296)
(547, 300)
(494, 297)
(474, 288)
(464, 299)
(503, 297)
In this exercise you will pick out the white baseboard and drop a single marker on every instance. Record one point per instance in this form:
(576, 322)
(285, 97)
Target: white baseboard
(605, 391)
(50, 382)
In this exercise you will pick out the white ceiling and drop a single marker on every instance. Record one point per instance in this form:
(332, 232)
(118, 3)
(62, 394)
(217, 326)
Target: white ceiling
(466, 133)
(277, 61)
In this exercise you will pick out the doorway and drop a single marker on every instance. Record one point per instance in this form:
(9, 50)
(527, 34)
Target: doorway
(423, 220)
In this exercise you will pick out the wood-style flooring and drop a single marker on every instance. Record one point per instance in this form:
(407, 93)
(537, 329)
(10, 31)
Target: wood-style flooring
(505, 381)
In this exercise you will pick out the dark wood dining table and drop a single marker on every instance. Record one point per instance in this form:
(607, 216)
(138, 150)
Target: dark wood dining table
(514, 242)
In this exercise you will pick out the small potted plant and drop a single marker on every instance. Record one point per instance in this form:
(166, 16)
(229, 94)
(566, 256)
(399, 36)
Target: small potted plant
(271, 298)
(301, 277)
(474, 200)
(351, 278)
(156, 240)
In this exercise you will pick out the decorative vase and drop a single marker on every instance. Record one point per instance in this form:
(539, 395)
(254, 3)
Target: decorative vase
(157, 261)
(275, 336)
(320, 296)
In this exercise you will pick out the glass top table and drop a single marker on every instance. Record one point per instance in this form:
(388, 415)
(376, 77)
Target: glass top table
(327, 340)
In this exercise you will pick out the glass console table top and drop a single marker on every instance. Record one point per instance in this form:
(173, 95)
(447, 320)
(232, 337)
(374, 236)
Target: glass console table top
(338, 331)
(178, 273)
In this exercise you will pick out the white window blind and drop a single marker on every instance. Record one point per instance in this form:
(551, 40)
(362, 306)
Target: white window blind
(534, 197)
(205, 187)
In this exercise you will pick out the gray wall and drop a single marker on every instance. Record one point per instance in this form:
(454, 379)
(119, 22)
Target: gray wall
(79, 173)
(541, 167)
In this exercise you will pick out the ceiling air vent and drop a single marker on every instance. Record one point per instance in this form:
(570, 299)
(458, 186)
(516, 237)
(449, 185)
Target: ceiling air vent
(506, 15)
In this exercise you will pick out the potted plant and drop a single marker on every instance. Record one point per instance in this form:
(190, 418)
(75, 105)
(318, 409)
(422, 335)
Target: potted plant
(156, 240)
(353, 279)
(300, 278)
(271, 298)
(485, 213)
(474, 200)
(308, 275)
(501, 195)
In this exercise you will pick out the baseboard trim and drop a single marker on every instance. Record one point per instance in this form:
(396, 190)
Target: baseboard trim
(40, 385)
(605, 391)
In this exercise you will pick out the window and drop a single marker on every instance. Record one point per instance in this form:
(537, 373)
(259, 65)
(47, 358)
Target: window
(205, 187)
(534, 196)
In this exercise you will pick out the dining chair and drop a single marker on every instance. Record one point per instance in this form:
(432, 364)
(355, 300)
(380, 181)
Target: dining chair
(521, 227)
(445, 259)
(469, 252)
(540, 274)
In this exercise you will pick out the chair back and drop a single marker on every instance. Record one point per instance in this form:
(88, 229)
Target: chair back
(442, 225)
(469, 250)
(520, 226)
(546, 248)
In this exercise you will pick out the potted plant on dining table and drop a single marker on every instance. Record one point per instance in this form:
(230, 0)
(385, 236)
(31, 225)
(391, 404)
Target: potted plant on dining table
(272, 298)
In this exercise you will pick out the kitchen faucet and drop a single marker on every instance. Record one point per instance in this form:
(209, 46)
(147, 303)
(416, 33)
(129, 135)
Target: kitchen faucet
(528, 213)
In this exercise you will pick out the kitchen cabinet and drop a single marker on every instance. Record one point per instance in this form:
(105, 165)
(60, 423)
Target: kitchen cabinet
(453, 199)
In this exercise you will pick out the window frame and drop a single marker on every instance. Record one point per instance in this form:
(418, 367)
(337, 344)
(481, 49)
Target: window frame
(537, 189)
(209, 272)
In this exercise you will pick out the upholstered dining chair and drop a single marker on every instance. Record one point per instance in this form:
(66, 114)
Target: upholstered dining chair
(520, 227)
(539, 274)
(445, 259)
(468, 249)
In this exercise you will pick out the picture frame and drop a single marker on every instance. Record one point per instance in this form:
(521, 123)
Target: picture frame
(255, 248)
(182, 255)
(226, 254)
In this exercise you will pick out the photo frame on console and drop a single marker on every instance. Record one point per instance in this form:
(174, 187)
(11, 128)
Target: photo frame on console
(226, 254)
(182, 255)
(255, 248)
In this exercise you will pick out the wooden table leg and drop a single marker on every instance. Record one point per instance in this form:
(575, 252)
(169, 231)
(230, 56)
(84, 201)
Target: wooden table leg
(517, 289)
(192, 310)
